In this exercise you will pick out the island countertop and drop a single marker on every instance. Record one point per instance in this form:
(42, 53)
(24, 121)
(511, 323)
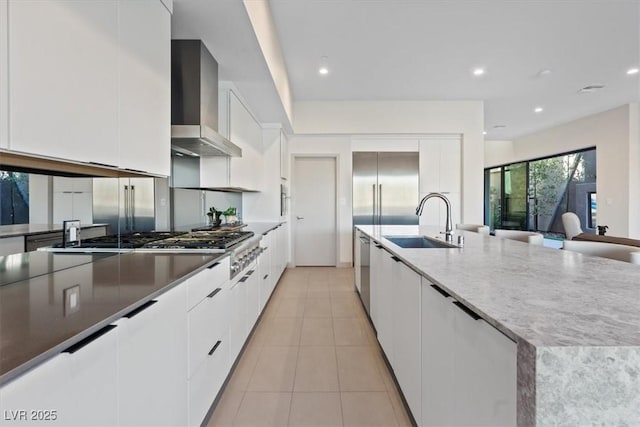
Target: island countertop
(575, 319)
(34, 325)
(29, 229)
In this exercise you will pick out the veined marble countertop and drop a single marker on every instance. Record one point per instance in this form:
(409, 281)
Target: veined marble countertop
(34, 325)
(548, 297)
(575, 319)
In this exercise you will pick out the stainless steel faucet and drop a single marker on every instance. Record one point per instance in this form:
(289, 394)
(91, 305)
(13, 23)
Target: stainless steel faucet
(448, 228)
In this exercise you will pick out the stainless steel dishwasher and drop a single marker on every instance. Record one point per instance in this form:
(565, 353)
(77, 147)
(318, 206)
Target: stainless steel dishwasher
(364, 272)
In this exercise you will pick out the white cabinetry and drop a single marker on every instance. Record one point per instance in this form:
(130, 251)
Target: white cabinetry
(63, 68)
(238, 124)
(468, 367)
(238, 328)
(208, 325)
(406, 333)
(89, 81)
(72, 199)
(381, 297)
(12, 245)
(440, 171)
(284, 156)
(145, 86)
(152, 360)
(75, 388)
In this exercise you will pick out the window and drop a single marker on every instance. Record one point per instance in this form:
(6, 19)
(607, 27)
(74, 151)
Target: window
(14, 198)
(533, 195)
(592, 208)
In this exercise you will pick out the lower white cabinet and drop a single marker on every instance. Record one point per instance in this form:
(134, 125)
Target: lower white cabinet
(468, 366)
(208, 325)
(238, 328)
(356, 258)
(152, 356)
(253, 297)
(264, 270)
(388, 285)
(406, 333)
(75, 388)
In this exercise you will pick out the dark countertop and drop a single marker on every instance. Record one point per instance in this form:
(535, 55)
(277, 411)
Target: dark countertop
(16, 230)
(27, 265)
(32, 315)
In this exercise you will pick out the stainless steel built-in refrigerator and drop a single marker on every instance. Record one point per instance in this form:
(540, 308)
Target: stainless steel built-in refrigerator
(385, 188)
(126, 204)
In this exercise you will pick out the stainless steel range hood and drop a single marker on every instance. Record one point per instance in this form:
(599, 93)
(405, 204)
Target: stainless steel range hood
(194, 102)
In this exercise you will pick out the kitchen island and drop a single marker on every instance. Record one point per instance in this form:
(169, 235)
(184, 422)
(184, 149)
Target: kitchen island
(574, 320)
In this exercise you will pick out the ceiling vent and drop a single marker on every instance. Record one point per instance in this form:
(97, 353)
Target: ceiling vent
(591, 88)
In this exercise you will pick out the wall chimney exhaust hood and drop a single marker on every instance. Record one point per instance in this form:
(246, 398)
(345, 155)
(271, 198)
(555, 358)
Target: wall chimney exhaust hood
(194, 102)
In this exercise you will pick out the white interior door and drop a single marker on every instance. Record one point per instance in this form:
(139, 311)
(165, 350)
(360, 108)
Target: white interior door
(314, 211)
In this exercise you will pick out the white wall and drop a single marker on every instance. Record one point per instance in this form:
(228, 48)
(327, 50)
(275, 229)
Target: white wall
(40, 199)
(265, 205)
(615, 135)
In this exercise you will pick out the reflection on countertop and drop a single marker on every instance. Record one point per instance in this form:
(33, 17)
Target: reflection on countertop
(35, 324)
(14, 230)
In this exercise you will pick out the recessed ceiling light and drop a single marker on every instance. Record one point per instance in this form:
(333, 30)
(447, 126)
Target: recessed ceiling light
(478, 71)
(484, 132)
(499, 126)
(632, 71)
(324, 68)
(544, 72)
(538, 110)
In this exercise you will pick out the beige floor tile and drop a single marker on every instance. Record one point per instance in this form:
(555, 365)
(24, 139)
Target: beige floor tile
(226, 409)
(275, 369)
(264, 409)
(317, 307)
(349, 331)
(343, 307)
(317, 286)
(244, 369)
(358, 369)
(316, 370)
(311, 294)
(291, 307)
(281, 331)
(317, 331)
(402, 417)
(293, 290)
(315, 410)
(367, 409)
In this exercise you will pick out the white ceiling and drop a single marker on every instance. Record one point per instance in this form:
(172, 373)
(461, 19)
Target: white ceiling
(426, 50)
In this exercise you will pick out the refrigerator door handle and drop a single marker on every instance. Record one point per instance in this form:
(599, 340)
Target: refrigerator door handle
(126, 208)
(380, 204)
(373, 214)
(132, 206)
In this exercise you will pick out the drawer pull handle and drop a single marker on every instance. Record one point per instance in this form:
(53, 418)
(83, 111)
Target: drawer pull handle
(467, 311)
(396, 259)
(140, 309)
(377, 246)
(213, 265)
(265, 277)
(250, 272)
(244, 279)
(213, 294)
(88, 340)
(441, 291)
(215, 347)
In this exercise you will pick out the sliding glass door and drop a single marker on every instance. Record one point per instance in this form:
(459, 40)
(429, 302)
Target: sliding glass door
(506, 197)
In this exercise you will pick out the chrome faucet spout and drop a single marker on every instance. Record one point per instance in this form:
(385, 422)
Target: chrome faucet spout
(448, 227)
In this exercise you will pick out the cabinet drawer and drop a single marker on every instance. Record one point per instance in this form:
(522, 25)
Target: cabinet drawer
(205, 282)
(208, 321)
(207, 380)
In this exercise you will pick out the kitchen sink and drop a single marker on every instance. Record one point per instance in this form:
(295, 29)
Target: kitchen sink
(418, 242)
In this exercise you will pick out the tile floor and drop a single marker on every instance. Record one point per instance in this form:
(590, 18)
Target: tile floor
(313, 360)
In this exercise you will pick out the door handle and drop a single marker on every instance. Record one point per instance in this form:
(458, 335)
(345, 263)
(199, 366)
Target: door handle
(380, 204)
(373, 217)
(299, 217)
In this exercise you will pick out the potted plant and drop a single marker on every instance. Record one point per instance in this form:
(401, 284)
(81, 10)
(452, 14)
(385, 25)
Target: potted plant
(214, 213)
(230, 215)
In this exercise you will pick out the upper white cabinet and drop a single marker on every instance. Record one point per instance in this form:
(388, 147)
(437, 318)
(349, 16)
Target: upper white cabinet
(90, 81)
(145, 86)
(72, 199)
(63, 87)
(238, 124)
(4, 76)
(284, 156)
(441, 172)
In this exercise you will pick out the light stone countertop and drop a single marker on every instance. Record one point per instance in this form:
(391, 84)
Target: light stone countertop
(575, 319)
